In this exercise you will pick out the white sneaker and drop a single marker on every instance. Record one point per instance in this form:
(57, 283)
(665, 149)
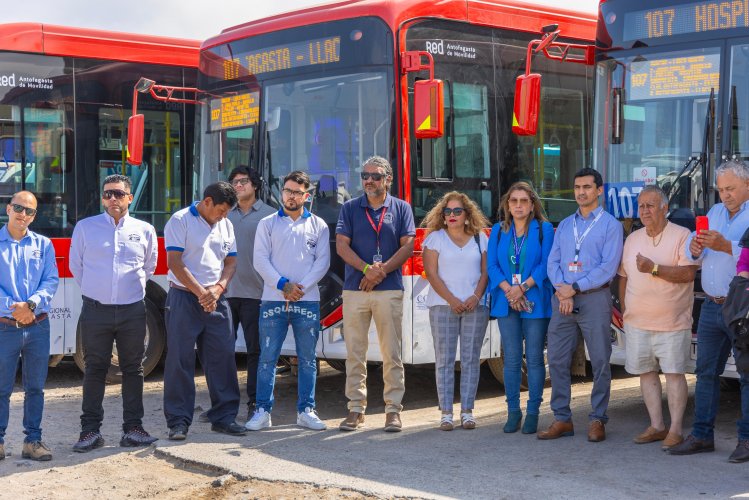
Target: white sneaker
(260, 420)
(310, 420)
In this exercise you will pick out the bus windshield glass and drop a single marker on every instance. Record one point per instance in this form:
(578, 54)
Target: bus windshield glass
(318, 99)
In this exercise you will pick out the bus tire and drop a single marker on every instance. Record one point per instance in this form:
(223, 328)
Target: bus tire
(155, 343)
(337, 364)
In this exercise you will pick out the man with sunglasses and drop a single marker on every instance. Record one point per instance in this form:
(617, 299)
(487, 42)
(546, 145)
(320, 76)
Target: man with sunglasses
(112, 257)
(28, 281)
(246, 286)
(292, 254)
(374, 237)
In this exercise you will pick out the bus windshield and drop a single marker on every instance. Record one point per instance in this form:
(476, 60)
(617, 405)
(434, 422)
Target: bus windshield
(320, 101)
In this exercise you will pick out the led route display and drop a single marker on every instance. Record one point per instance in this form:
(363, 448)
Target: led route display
(695, 17)
(686, 76)
(283, 57)
(242, 110)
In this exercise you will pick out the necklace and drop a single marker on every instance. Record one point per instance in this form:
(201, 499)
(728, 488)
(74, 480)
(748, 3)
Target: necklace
(660, 237)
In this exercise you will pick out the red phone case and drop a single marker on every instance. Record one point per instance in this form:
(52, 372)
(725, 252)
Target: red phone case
(701, 224)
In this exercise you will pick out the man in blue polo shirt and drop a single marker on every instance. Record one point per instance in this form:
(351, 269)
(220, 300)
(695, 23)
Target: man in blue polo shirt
(28, 281)
(201, 255)
(374, 237)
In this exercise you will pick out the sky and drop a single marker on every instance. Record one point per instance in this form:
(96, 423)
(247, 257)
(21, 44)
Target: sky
(176, 18)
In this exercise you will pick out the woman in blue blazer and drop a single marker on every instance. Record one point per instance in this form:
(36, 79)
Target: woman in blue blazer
(519, 247)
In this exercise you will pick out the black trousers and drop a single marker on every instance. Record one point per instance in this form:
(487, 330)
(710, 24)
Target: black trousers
(247, 313)
(101, 325)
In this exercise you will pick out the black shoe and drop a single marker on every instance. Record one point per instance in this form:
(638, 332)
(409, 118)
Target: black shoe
(203, 417)
(137, 436)
(692, 445)
(88, 441)
(178, 432)
(741, 453)
(233, 429)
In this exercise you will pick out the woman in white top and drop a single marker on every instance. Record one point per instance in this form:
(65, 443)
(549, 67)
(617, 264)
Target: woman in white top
(455, 265)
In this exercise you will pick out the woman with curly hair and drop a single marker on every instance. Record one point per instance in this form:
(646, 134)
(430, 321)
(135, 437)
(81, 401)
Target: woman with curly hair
(519, 247)
(455, 265)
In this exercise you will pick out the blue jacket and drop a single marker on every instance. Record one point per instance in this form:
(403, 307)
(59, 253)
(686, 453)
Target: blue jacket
(536, 256)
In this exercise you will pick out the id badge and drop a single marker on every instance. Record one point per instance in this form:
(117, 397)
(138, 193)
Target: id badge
(517, 279)
(575, 267)
(376, 258)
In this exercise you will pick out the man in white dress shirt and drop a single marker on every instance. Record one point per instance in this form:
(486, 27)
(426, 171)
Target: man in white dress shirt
(112, 256)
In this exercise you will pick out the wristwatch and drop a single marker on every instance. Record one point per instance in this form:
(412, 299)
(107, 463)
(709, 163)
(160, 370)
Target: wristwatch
(524, 286)
(576, 287)
(31, 304)
(654, 271)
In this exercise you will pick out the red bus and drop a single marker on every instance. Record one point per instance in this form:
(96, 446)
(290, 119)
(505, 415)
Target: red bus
(65, 96)
(322, 88)
(670, 100)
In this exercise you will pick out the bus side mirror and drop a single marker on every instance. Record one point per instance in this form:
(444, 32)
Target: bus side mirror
(527, 104)
(428, 109)
(135, 133)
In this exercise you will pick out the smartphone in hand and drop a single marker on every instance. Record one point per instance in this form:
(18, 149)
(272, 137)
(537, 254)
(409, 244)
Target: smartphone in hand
(702, 224)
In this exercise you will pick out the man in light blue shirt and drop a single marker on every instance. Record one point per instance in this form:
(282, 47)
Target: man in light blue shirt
(28, 281)
(112, 256)
(718, 250)
(584, 258)
(292, 254)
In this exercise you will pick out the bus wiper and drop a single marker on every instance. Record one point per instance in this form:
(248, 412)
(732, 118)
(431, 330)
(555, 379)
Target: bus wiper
(707, 145)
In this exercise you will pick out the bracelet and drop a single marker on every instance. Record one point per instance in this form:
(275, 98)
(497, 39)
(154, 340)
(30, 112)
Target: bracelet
(364, 271)
(477, 297)
(223, 288)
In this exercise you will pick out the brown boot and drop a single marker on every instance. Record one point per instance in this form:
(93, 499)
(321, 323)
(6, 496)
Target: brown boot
(355, 420)
(596, 431)
(393, 422)
(556, 430)
(36, 451)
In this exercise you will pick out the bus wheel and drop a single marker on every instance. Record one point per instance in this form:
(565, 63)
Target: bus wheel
(338, 364)
(155, 342)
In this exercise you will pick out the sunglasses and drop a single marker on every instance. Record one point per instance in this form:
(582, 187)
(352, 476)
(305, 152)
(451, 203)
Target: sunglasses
(365, 176)
(240, 182)
(20, 208)
(116, 193)
(455, 211)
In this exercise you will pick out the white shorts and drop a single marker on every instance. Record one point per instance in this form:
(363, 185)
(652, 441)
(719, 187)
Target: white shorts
(648, 350)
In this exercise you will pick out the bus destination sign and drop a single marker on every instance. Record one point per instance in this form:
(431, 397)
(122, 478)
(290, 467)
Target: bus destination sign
(697, 17)
(686, 76)
(242, 110)
(283, 57)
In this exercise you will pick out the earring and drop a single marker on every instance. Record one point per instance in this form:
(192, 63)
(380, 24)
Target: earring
(466, 223)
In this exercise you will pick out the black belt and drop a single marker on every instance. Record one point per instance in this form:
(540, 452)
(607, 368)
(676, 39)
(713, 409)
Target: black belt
(717, 300)
(593, 290)
(13, 322)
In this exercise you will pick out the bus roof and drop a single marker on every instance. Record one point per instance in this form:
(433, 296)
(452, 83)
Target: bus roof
(502, 13)
(64, 41)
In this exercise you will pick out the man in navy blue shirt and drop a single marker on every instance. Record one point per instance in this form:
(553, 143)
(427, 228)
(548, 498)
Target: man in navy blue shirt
(28, 281)
(374, 237)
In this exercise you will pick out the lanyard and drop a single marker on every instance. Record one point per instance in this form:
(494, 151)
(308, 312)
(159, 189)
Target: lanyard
(579, 240)
(379, 225)
(518, 248)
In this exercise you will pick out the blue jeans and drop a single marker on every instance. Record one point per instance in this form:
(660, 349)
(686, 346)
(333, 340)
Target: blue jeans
(33, 344)
(275, 318)
(513, 331)
(714, 341)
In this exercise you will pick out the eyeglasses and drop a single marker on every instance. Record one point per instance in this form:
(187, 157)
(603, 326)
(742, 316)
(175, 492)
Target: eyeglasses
(457, 211)
(292, 193)
(365, 176)
(519, 201)
(117, 193)
(240, 182)
(20, 208)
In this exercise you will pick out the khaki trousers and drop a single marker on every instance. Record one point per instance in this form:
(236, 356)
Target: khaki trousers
(386, 308)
